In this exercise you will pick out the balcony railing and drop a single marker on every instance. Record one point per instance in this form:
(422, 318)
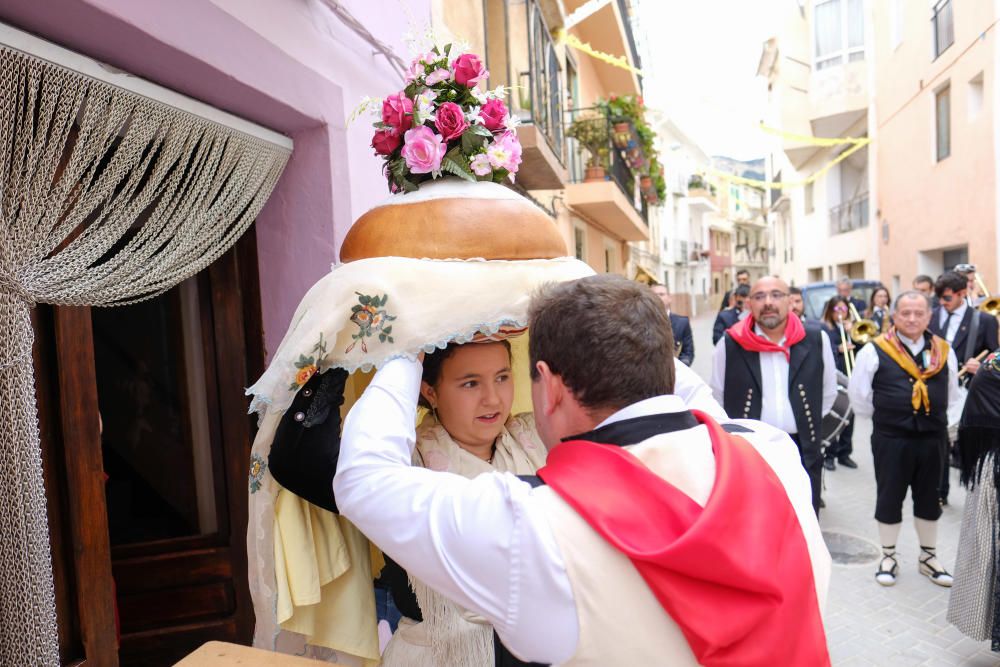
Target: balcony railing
(851, 215)
(616, 164)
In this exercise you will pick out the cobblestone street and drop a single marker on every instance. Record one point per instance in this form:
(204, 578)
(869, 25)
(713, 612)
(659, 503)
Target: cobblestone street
(868, 625)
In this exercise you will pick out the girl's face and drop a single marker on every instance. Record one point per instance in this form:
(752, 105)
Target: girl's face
(473, 393)
(881, 298)
(840, 312)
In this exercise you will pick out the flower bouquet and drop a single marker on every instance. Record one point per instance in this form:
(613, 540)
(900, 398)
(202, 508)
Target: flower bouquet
(443, 123)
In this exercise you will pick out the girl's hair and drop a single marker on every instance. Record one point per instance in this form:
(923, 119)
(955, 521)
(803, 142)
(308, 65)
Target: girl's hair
(830, 305)
(434, 360)
(871, 302)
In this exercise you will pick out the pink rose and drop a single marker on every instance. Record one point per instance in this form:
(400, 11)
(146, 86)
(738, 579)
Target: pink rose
(450, 121)
(423, 150)
(469, 70)
(494, 114)
(385, 142)
(397, 112)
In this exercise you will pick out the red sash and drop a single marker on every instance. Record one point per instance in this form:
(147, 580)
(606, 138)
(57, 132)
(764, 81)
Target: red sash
(734, 575)
(742, 332)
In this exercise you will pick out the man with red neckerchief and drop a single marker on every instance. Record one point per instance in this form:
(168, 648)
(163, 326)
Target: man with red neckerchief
(771, 367)
(653, 535)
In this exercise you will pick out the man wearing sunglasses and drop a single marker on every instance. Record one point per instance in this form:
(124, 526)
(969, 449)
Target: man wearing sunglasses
(967, 330)
(772, 368)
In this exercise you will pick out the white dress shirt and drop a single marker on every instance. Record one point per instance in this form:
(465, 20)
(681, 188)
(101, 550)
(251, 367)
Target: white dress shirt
(485, 542)
(956, 321)
(859, 388)
(776, 407)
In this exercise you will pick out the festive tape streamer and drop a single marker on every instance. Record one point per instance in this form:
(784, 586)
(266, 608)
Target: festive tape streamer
(572, 41)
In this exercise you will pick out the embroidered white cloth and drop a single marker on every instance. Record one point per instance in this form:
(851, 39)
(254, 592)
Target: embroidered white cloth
(366, 312)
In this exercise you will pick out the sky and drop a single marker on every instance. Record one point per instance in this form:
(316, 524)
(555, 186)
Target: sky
(701, 69)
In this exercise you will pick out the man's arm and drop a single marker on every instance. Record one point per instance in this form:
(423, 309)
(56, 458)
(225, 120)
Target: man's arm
(719, 328)
(829, 374)
(718, 382)
(687, 341)
(988, 325)
(696, 393)
(480, 542)
(859, 388)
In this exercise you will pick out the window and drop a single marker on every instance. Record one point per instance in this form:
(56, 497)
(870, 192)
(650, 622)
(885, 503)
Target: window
(610, 261)
(975, 96)
(943, 24)
(578, 243)
(896, 26)
(838, 32)
(809, 205)
(942, 102)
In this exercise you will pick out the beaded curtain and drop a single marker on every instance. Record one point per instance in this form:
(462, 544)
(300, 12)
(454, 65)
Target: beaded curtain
(106, 198)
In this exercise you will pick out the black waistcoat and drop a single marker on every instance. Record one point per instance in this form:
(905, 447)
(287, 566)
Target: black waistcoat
(892, 389)
(742, 393)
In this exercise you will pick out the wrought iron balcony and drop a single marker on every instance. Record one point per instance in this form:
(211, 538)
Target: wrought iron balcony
(851, 215)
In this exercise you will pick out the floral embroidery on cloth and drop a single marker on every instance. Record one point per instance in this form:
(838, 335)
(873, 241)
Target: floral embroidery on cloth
(371, 317)
(308, 365)
(257, 468)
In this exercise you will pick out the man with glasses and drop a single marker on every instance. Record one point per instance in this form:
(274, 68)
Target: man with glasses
(772, 368)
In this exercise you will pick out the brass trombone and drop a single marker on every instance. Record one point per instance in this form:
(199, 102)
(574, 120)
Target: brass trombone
(848, 353)
(991, 304)
(863, 331)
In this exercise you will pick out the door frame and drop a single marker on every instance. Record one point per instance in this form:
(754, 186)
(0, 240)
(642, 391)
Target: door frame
(73, 463)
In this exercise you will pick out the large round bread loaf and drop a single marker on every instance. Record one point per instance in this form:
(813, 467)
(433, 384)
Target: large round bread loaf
(455, 219)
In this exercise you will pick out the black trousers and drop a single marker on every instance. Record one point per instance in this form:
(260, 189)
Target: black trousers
(844, 444)
(945, 486)
(907, 462)
(813, 469)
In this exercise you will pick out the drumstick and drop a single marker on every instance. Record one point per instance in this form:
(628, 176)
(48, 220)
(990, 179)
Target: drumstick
(978, 357)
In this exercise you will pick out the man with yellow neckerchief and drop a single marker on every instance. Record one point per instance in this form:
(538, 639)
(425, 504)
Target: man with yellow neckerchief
(905, 382)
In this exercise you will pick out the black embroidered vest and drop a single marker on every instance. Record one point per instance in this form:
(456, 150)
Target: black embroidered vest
(742, 396)
(892, 390)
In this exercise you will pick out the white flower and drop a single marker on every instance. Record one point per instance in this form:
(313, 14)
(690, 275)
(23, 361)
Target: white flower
(481, 165)
(480, 96)
(472, 116)
(511, 122)
(424, 108)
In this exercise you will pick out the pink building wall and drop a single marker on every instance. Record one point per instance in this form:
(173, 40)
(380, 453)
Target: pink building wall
(291, 66)
(931, 205)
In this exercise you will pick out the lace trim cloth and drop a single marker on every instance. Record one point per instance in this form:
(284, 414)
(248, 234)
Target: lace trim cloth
(359, 316)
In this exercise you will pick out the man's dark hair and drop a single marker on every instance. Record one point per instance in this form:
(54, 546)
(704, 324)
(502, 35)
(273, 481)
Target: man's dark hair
(607, 338)
(742, 272)
(923, 278)
(795, 290)
(742, 290)
(950, 280)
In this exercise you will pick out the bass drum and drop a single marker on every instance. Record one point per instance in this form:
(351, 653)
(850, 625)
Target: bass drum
(836, 420)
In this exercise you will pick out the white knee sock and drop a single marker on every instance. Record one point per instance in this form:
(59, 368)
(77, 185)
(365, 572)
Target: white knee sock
(888, 533)
(926, 532)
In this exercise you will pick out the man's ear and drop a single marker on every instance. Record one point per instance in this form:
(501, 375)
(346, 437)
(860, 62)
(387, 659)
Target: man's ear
(429, 394)
(553, 389)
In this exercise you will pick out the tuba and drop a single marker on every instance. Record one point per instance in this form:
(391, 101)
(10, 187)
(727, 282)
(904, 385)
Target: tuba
(863, 331)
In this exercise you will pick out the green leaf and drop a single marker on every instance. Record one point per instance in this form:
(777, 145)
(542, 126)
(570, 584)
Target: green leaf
(481, 130)
(388, 329)
(385, 297)
(447, 49)
(381, 338)
(499, 175)
(407, 185)
(458, 166)
(365, 300)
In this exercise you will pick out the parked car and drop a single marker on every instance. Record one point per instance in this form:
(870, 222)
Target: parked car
(815, 295)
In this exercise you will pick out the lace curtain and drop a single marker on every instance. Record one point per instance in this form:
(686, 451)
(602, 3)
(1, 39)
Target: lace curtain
(106, 198)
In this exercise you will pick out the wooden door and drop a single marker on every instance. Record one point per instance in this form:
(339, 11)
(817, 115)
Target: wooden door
(146, 442)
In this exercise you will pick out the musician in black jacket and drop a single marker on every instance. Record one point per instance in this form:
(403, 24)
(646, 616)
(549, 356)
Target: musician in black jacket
(742, 278)
(683, 341)
(969, 331)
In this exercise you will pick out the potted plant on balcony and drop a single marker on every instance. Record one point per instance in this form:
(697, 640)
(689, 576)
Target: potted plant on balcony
(591, 131)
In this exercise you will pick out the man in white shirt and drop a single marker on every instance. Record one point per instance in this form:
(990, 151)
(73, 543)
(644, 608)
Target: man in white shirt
(905, 381)
(599, 574)
(772, 368)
